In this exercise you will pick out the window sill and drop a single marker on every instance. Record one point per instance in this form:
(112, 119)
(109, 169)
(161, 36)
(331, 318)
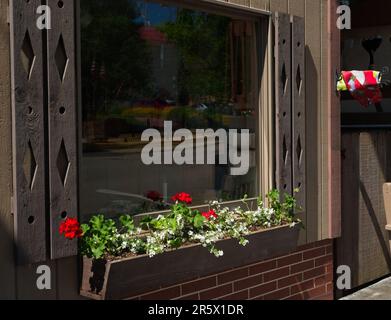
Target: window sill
(125, 278)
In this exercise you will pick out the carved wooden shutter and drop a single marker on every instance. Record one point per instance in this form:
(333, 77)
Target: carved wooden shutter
(28, 132)
(283, 98)
(298, 112)
(62, 124)
(44, 128)
(290, 105)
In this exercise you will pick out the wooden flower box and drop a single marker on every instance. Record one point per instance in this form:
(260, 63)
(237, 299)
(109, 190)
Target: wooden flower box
(128, 277)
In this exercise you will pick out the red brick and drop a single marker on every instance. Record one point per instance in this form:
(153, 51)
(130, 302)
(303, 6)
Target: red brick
(277, 295)
(296, 297)
(314, 273)
(306, 246)
(262, 267)
(329, 249)
(329, 268)
(288, 281)
(303, 286)
(295, 258)
(165, 294)
(327, 297)
(275, 274)
(248, 282)
(323, 260)
(242, 295)
(327, 278)
(263, 289)
(190, 297)
(216, 292)
(198, 285)
(313, 253)
(302, 266)
(329, 288)
(232, 275)
(320, 281)
(316, 292)
(325, 242)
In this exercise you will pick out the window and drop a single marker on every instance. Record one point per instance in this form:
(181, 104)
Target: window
(147, 66)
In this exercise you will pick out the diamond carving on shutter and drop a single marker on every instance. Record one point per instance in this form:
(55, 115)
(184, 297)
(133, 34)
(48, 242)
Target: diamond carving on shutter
(298, 114)
(62, 119)
(290, 106)
(28, 133)
(283, 99)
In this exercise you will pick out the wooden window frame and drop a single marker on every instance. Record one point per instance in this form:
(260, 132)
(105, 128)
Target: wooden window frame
(262, 78)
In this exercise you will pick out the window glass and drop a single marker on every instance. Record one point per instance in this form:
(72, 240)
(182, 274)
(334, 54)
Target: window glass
(152, 74)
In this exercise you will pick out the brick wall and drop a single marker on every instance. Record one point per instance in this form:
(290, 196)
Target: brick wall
(306, 273)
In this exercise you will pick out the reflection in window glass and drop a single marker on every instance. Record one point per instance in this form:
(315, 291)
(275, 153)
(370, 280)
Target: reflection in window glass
(145, 65)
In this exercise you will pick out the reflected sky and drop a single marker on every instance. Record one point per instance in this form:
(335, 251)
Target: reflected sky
(154, 14)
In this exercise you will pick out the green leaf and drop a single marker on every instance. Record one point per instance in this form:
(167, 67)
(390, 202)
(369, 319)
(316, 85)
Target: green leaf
(199, 220)
(127, 222)
(175, 243)
(145, 223)
(85, 228)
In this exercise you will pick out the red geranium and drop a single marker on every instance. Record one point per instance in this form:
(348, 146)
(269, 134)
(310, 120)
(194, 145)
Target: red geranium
(71, 228)
(154, 196)
(210, 214)
(182, 197)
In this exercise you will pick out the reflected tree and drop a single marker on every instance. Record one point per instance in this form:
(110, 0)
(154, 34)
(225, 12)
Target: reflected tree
(116, 63)
(203, 43)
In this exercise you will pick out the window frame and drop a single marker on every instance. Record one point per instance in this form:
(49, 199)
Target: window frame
(262, 78)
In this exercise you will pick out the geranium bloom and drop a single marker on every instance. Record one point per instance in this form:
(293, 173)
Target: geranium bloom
(154, 196)
(71, 228)
(210, 214)
(182, 197)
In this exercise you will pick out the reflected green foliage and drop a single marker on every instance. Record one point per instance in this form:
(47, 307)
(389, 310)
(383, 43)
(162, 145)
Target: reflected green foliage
(203, 44)
(116, 62)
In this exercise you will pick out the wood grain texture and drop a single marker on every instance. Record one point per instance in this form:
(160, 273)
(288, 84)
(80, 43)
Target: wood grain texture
(260, 4)
(283, 98)
(334, 131)
(26, 282)
(347, 244)
(266, 111)
(279, 6)
(299, 149)
(387, 205)
(128, 277)
(324, 122)
(240, 2)
(374, 252)
(364, 242)
(297, 8)
(314, 88)
(62, 117)
(28, 132)
(7, 268)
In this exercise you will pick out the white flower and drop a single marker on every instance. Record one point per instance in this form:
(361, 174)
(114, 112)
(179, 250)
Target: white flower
(219, 253)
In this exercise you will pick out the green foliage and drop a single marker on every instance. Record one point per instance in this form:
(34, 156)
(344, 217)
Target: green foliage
(127, 223)
(110, 41)
(285, 209)
(202, 41)
(98, 237)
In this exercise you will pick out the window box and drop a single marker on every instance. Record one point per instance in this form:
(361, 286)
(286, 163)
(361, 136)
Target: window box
(124, 278)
